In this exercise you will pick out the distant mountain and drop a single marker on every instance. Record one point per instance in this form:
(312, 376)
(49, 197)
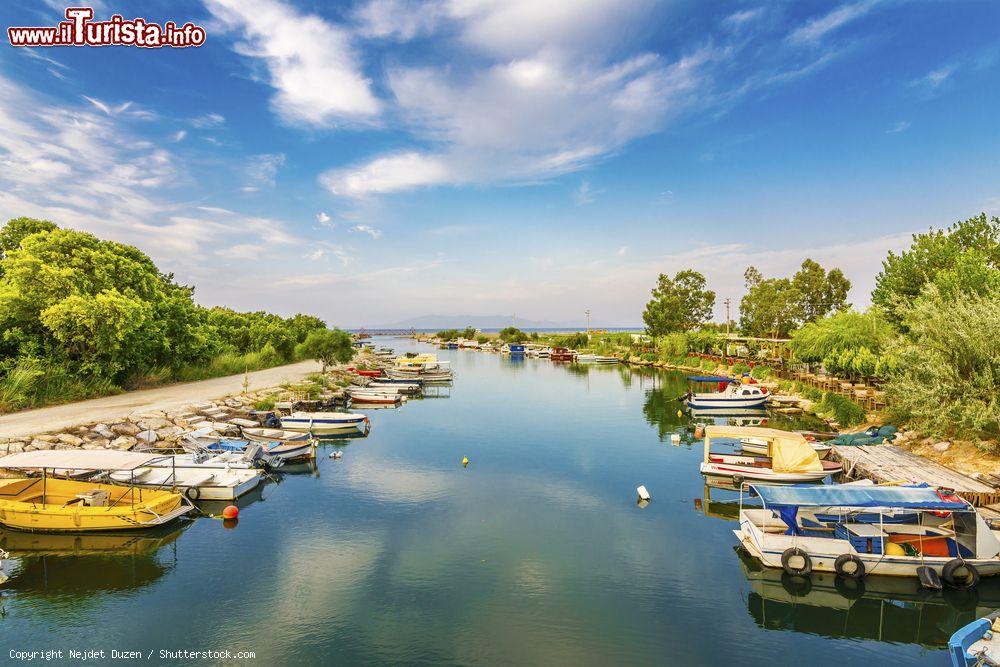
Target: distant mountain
(477, 321)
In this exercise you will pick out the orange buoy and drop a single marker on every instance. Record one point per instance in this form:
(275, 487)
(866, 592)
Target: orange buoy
(231, 512)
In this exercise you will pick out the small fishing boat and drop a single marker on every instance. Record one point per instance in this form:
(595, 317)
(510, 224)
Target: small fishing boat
(365, 373)
(407, 381)
(790, 457)
(273, 452)
(516, 348)
(47, 504)
(400, 387)
(374, 397)
(601, 359)
(273, 435)
(758, 447)
(325, 422)
(562, 354)
(947, 540)
(731, 394)
(977, 643)
(584, 357)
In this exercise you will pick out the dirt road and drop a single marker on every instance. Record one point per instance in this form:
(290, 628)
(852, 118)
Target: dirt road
(172, 397)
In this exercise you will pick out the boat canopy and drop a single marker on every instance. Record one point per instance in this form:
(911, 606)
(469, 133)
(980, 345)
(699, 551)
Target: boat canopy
(78, 459)
(851, 495)
(708, 378)
(789, 452)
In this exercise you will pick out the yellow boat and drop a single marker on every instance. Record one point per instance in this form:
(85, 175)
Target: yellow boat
(52, 504)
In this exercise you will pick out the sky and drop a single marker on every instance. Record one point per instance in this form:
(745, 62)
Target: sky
(378, 160)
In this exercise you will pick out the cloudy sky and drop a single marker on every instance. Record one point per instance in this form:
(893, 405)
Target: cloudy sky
(376, 160)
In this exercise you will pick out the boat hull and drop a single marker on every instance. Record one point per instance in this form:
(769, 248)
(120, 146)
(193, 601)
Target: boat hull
(324, 426)
(736, 402)
(754, 473)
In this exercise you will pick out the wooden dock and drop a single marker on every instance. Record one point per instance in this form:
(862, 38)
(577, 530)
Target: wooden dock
(887, 464)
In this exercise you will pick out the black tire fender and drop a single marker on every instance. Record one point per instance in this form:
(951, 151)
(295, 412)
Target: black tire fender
(953, 567)
(849, 587)
(843, 566)
(192, 493)
(796, 585)
(794, 552)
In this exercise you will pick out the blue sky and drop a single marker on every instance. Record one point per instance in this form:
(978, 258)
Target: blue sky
(382, 159)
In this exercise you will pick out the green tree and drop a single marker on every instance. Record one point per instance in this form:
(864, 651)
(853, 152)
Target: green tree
(680, 303)
(965, 257)
(846, 329)
(819, 292)
(768, 309)
(512, 335)
(328, 346)
(17, 229)
(469, 333)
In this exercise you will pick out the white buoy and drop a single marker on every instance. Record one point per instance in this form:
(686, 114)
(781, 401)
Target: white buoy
(336, 455)
(643, 493)
(675, 438)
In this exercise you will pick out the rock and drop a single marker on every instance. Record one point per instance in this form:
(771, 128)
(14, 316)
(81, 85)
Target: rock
(123, 442)
(101, 442)
(103, 431)
(68, 439)
(169, 433)
(15, 447)
(42, 444)
(91, 445)
(125, 428)
(153, 423)
(47, 438)
(147, 436)
(942, 446)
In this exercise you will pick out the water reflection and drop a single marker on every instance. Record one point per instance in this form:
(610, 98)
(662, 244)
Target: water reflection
(67, 569)
(886, 609)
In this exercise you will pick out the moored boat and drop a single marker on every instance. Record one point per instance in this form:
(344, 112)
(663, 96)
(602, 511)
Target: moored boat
(47, 504)
(790, 457)
(946, 540)
(602, 359)
(325, 422)
(758, 447)
(977, 643)
(731, 394)
(562, 354)
(208, 479)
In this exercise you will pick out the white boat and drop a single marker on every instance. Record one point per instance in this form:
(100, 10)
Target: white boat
(866, 531)
(422, 375)
(395, 387)
(585, 357)
(790, 457)
(273, 453)
(758, 447)
(601, 359)
(273, 435)
(198, 481)
(735, 395)
(325, 422)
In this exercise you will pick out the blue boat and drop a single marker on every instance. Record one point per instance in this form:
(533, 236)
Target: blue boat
(452, 346)
(516, 348)
(975, 643)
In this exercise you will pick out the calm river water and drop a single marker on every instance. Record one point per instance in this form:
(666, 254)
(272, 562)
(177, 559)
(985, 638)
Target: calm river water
(537, 553)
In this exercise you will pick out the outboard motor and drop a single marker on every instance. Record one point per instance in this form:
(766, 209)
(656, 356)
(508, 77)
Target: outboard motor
(272, 421)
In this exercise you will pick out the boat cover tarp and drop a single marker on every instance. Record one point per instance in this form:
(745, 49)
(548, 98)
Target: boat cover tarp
(78, 459)
(708, 378)
(789, 452)
(850, 495)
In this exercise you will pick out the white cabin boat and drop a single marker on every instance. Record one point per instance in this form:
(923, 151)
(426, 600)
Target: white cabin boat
(198, 481)
(735, 395)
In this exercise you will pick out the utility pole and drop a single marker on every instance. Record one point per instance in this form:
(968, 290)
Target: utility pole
(727, 302)
(587, 312)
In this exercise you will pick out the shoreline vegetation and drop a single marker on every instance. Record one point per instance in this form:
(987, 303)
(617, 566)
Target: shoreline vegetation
(928, 346)
(82, 317)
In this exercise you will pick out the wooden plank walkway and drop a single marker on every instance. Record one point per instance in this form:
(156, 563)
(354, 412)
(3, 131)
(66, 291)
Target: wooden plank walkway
(886, 464)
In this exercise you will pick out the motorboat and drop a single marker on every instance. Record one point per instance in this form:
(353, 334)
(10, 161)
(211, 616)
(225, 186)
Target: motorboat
(790, 457)
(583, 357)
(325, 422)
(758, 447)
(399, 387)
(842, 528)
(273, 435)
(602, 359)
(365, 373)
(47, 504)
(731, 394)
(210, 478)
(977, 643)
(374, 396)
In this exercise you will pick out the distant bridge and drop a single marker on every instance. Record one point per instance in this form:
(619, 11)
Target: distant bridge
(367, 333)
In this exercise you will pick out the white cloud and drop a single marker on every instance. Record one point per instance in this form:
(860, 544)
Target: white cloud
(622, 251)
(367, 229)
(815, 30)
(317, 254)
(242, 251)
(208, 120)
(310, 61)
(262, 170)
(399, 19)
(392, 173)
(215, 209)
(323, 219)
(934, 79)
(741, 18)
(179, 135)
(901, 126)
(585, 194)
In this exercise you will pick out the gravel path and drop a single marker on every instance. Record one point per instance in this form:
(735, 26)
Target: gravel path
(171, 397)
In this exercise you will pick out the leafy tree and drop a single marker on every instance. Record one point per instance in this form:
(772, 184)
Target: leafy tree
(768, 309)
(680, 303)
(819, 291)
(846, 329)
(964, 258)
(328, 346)
(16, 229)
(512, 335)
(448, 334)
(469, 333)
(300, 325)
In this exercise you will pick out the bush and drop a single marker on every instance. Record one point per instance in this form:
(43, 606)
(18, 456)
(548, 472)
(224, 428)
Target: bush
(844, 411)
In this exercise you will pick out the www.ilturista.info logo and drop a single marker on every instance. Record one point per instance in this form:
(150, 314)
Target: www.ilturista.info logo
(80, 30)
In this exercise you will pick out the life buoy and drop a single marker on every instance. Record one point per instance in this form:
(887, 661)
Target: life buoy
(952, 575)
(192, 493)
(791, 566)
(849, 566)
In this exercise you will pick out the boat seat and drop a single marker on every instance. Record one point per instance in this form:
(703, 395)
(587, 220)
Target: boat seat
(766, 520)
(198, 480)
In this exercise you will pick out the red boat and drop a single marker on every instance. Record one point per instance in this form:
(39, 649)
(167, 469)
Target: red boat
(562, 354)
(367, 374)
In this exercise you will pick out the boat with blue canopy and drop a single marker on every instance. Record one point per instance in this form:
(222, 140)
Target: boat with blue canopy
(729, 393)
(977, 643)
(857, 529)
